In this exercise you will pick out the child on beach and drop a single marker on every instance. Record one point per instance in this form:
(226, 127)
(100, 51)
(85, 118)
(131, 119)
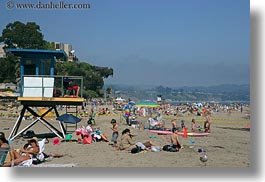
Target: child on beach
(193, 125)
(207, 126)
(182, 124)
(115, 132)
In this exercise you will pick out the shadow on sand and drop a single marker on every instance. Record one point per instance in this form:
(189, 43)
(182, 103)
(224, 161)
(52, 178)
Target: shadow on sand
(231, 128)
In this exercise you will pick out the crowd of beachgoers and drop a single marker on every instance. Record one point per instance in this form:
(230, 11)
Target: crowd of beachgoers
(166, 118)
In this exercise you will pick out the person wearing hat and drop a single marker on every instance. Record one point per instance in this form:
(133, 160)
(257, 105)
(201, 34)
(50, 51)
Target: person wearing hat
(24, 153)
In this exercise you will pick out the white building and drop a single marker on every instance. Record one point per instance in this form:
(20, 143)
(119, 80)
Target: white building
(67, 48)
(2, 51)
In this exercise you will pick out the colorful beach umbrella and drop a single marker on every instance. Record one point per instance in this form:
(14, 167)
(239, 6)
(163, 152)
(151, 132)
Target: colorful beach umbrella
(147, 103)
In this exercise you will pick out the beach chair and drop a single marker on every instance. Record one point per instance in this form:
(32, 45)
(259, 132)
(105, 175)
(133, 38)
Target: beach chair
(40, 156)
(3, 154)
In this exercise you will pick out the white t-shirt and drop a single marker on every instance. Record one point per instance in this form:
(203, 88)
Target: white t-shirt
(89, 128)
(152, 122)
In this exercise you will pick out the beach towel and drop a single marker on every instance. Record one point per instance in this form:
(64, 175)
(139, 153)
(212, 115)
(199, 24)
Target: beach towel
(140, 145)
(26, 163)
(170, 148)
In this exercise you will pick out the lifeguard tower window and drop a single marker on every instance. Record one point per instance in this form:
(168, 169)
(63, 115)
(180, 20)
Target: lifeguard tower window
(43, 66)
(30, 67)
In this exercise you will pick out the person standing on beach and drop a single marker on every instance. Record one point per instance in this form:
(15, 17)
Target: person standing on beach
(115, 132)
(182, 124)
(193, 126)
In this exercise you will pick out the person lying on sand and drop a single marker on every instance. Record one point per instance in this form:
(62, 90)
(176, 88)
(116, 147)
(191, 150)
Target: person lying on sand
(128, 144)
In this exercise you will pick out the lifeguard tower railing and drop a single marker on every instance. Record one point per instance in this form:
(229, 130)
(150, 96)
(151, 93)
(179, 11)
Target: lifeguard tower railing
(51, 86)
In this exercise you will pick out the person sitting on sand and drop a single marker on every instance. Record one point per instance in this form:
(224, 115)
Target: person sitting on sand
(175, 140)
(154, 123)
(4, 144)
(126, 142)
(160, 120)
(89, 127)
(134, 121)
(3, 141)
(23, 154)
(94, 132)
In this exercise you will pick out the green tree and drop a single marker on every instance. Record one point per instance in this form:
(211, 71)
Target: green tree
(27, 36)
(92, 75)
(109, 91)
(50, 45)
(8, 69)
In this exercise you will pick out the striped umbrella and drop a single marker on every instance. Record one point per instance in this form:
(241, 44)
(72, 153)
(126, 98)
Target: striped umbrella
(147, 103)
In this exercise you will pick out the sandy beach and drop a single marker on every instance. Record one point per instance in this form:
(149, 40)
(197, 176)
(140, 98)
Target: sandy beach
(228, 145)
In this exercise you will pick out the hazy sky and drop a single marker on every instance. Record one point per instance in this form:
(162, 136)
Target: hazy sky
(154, 42)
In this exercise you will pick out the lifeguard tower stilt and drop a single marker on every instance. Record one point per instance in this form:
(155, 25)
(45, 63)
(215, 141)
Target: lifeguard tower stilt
(38, 90)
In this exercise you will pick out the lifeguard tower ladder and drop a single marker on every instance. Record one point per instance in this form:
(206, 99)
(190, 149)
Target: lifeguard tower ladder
(38, 87)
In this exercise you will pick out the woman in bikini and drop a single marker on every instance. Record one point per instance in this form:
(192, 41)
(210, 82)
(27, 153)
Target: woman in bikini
(23, 154)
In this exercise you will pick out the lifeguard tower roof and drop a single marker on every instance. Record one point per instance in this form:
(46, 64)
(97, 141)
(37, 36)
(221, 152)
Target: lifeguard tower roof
(37, 53)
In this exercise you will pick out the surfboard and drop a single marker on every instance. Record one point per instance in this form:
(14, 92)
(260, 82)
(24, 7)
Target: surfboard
(179, 133)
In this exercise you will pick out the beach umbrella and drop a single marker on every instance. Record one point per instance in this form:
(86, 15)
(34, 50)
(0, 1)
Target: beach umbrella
(147, 103)
(131, 103)
(68, 118)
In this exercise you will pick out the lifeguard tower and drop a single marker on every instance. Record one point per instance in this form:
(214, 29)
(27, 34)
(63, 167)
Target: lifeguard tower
(38, 86)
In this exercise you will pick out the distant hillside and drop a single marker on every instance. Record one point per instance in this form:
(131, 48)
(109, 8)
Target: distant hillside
(221, 88)
(223, 92)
